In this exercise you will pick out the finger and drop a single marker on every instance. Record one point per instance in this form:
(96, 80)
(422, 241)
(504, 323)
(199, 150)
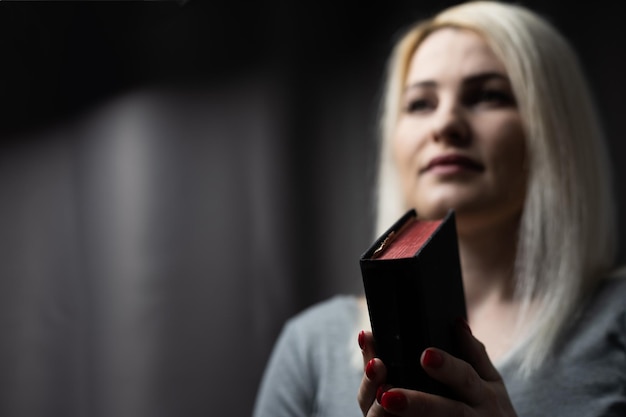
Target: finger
(475, 354)
(373, 379)
(467, 377)
(370, 384)
(402, 402)
(367, 345)
(455, 373)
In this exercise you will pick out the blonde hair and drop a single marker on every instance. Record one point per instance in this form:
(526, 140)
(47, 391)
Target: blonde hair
(567, 237)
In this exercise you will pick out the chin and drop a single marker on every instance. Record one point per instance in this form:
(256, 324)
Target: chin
(442, 200)
(433, 213)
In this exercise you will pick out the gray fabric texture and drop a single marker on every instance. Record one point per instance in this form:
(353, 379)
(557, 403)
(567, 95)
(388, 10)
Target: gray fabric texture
(313, 372)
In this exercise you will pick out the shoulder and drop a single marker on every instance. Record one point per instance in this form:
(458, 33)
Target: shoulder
(321, 333)
(585, 374)
(609, 297)
(338, 311)
(614, 283)
(310, 371)
(603, 318)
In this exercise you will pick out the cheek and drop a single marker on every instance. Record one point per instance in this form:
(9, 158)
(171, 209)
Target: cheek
(509, 156)
(514, 148)
(400, 148)
(405, 145)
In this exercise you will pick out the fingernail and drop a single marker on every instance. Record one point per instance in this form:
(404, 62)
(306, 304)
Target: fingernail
(362, 340)
(369, 369)
(393, 401)
(462, 321)
(379, 393)
(432, 359)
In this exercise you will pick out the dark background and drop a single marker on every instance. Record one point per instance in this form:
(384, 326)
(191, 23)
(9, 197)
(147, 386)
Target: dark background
(178, 178)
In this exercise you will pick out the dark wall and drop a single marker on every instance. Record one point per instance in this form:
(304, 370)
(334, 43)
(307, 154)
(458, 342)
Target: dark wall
(178, 178)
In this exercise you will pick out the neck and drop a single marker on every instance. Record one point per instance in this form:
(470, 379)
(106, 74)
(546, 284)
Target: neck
(487, 260)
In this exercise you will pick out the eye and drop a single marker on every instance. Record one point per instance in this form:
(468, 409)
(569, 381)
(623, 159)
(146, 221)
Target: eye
(494, 97)
(418, 105)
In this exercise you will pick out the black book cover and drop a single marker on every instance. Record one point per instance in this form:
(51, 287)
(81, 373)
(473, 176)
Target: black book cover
(414, 298)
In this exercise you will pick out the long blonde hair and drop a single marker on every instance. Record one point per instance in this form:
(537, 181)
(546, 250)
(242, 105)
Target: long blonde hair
(567, 237)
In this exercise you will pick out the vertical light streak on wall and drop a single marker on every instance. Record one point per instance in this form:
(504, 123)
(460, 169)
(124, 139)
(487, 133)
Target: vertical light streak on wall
(117, 195)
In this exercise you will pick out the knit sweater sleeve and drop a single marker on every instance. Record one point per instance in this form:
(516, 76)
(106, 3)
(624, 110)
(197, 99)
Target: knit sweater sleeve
(287, 385)
(311, 371)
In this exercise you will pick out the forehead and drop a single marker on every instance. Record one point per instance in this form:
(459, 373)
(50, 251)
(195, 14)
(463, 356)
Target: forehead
(452, 53)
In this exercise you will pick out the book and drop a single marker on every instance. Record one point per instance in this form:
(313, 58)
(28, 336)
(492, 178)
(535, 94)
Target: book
(414, 290)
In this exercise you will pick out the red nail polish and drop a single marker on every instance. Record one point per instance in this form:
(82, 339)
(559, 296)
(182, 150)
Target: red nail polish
(369, 369)
(432, 359)
(393, 401)
(362, 340)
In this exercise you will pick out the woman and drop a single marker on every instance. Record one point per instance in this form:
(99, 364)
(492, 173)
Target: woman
(486, 112)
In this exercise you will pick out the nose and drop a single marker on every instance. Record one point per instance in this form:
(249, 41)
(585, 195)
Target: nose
(451, 125)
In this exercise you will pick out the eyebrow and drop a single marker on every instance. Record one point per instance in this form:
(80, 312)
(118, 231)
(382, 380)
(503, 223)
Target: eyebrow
(472, 79)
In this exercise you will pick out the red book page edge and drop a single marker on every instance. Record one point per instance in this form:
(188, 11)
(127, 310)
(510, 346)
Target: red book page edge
(410, 238)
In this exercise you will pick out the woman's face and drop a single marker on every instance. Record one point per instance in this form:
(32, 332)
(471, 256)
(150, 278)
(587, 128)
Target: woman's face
(459, 142)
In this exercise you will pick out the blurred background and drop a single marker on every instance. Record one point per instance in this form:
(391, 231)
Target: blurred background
(178, 178)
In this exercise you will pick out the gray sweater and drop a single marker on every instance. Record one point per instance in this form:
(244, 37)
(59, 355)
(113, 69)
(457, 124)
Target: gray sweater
(313, 372)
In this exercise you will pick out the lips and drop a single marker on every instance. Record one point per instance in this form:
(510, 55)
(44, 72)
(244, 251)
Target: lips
(452, 161)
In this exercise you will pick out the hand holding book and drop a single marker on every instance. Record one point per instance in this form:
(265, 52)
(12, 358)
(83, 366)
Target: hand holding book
(414, 291)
